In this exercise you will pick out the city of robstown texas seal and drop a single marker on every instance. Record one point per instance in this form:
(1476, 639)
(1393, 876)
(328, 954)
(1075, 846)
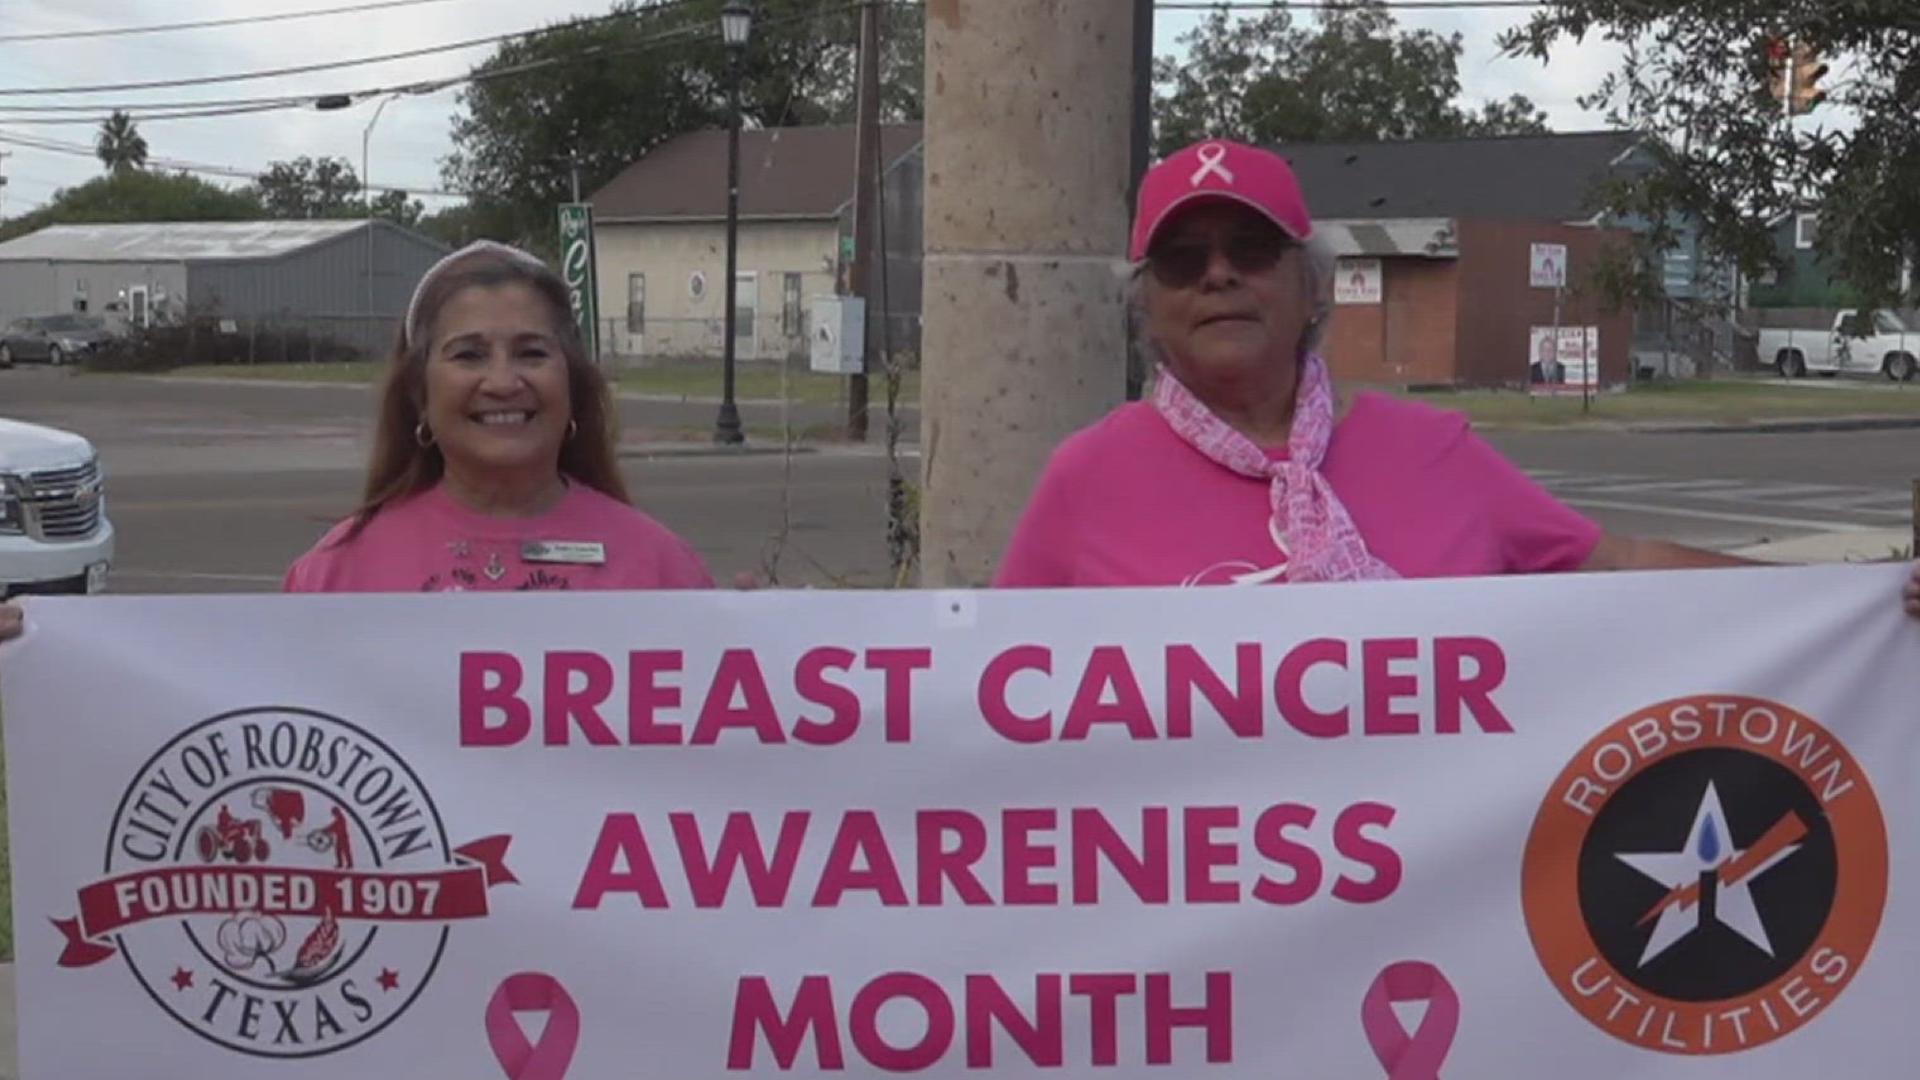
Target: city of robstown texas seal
(280, 882)
(1707, 875)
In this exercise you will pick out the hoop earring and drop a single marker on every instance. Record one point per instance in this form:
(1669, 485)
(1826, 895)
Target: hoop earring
(573, 429)
(422, 436)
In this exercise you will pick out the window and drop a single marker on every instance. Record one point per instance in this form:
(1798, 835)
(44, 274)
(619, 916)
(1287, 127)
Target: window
(636, 303)
(1806, 229)
(1888, 323)
(790, 306)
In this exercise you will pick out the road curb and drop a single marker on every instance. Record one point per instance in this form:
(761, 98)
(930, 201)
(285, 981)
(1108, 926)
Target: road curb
(1783, 427)
(374, 384)
(695, 450)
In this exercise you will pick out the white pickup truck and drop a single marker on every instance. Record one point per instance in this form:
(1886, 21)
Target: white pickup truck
(1889, 348)
(54, 533)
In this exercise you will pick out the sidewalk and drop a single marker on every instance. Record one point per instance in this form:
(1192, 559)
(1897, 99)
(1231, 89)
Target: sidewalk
(9, 1037)
(1862, 545)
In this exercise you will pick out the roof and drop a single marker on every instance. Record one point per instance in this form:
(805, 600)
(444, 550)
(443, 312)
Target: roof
(1426, 238)
(1510, 178)
(174, 241)
(793, 172)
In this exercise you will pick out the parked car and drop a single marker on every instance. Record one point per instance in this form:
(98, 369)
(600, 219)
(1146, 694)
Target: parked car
(55, 536)
(1888, 347)
(56, 339)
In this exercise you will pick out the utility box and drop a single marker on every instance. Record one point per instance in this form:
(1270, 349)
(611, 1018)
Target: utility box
(839, 335)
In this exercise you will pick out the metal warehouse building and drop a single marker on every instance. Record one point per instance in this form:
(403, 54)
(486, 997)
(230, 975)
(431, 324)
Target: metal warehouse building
(349, 279)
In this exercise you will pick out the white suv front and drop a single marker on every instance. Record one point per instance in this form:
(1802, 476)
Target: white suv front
(54, 532)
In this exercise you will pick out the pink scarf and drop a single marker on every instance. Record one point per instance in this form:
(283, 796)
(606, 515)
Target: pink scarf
(1309, 526)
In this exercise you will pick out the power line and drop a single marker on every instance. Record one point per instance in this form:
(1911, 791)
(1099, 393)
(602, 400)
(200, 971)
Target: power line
(50, 145)
(330, 65)
(668, 37)
(208, 24)
(184, 110)
(95, 119)
(55, 146)
(244, 76)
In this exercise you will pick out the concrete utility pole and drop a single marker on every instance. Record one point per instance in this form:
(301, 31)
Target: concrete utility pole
(1142, 155)
(1029, 110)
(866, 157)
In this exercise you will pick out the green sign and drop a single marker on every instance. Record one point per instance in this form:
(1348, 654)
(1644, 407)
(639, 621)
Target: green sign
(577, 268)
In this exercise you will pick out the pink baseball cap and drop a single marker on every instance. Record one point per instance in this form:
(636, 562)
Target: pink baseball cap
(1219, 169)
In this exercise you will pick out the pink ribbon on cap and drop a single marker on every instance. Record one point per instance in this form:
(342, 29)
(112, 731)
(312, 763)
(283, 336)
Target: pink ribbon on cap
(548, 1059)
(1416, 1056)
(1211, 157)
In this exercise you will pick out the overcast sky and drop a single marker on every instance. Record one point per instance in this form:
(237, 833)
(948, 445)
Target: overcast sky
(411, 135)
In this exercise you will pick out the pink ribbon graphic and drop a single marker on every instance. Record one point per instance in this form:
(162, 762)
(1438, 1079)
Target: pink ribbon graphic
(548, 1059)
(1417, 1056)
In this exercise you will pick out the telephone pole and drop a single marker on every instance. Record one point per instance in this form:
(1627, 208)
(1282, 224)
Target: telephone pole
(866, 169)
(1029, 115)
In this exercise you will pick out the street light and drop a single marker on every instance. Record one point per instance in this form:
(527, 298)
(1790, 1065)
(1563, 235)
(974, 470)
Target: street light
(736, 26)
(366, 193)
(332, 103)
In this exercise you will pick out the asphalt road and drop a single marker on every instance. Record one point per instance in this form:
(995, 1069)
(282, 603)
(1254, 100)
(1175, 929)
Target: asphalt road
(218, 486)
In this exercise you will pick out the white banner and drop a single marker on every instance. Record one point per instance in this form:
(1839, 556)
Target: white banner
(1337, 831)
(1357, 281)
(1563, 360)
(1547, 266)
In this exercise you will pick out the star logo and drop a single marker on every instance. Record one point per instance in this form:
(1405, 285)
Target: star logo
(1706, 875)
(389, 979)
(1709, 879)
(182, 979)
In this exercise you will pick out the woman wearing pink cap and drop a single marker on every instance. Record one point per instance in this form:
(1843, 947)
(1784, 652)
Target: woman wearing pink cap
(493, 462)
(1246, 466)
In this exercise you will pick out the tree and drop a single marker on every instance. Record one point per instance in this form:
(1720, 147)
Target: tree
(479, 219)
(394, 206)
(626, 83)
(120, 146)
(137, 195)
(306, 188)
(1353, 76)
(1696, 76)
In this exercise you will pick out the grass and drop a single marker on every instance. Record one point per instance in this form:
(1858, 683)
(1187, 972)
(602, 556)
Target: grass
(1722, 400)
(697, 381)
(1717, 401)
(356, 371)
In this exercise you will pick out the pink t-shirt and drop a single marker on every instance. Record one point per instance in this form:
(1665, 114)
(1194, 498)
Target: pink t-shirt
(1128, 502)
(430, 543)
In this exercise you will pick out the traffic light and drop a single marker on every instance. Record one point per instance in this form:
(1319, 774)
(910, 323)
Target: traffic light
(1808, 70)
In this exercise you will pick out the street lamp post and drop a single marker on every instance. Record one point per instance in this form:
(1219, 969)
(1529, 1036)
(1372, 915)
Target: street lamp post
(333, 103)
(736, 25)
(366, 192)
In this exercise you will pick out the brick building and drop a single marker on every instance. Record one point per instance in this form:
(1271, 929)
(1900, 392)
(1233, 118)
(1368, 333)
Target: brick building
(1435, 239)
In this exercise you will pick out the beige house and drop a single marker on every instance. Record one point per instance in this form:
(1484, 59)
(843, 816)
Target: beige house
(660, 237)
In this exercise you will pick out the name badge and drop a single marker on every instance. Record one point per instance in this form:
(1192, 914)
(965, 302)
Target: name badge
(563, 551)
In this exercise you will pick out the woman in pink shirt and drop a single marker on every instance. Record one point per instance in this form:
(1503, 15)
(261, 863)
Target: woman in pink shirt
(1246, 466)
(493, 463)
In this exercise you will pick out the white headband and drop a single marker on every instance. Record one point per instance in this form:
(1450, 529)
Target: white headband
(478, 246)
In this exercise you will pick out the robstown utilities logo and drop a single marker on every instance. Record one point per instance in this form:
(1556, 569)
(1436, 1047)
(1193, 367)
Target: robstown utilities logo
(279, 882)
(1707, 875)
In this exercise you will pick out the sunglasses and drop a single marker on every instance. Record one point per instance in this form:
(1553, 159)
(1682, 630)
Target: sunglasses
(1182, 262)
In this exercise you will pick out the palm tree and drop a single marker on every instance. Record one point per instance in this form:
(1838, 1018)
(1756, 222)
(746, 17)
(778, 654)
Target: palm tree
(120, 146)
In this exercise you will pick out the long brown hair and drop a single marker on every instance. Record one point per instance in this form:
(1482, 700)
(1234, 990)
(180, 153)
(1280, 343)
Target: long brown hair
(400, 467)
